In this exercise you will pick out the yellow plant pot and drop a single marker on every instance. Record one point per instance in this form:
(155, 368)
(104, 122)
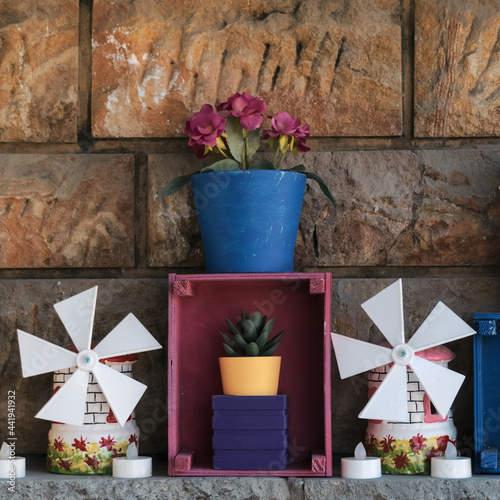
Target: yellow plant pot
(250, 376)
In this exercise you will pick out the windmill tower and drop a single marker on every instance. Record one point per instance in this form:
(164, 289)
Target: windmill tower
(403, 379)
(94, 393)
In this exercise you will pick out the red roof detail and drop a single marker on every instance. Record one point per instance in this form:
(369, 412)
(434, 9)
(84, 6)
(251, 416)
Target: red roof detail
(438, 353)
(116, 359)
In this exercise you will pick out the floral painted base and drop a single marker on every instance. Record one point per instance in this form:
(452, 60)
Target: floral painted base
(406, 456)
(87, 450)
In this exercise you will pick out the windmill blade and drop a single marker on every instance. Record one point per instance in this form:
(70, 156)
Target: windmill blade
(121, 392)
(386, 311)
(355, 356)
(77, 315)
(40, 356)
(67, 405)
(389, 401)
(441, 326)
(128, 337)
(441, 384)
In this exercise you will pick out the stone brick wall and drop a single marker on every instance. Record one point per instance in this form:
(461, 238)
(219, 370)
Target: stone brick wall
(403, 100)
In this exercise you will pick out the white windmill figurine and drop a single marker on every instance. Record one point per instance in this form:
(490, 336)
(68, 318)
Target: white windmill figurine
(67, 407)
(390, 402)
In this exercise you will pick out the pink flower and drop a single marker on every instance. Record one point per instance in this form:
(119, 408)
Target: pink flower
(246, 107)
(442, 442)
(108, 443)
(204, 128)
(65, 464)
(417, 442)
(433, 452)
(387, 443)
(59, 445)
(92, 462)
(371, 443)
(285, 125)
(80, 444)
(401, 461)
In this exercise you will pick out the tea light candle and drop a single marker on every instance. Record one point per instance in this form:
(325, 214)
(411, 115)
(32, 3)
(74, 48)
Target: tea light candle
(360, 466)
(451, 466)
(10, 465)
(132, 466)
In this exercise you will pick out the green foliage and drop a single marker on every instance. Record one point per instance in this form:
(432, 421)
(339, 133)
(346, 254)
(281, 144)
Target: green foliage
(250, 337)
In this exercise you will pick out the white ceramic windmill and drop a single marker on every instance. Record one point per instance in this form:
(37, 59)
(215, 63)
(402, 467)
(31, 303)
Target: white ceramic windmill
(67, 407)
(405, 364)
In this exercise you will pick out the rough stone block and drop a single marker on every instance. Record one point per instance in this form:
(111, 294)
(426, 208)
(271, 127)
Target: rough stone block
(422, 208)
(394, 208)
(38, 71)
(457, 68)
(67, 211)
(153, 65)
(174, 237)
(28, 305)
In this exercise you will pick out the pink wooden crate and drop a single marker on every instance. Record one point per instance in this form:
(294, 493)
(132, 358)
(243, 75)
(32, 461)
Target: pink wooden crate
(198, 304)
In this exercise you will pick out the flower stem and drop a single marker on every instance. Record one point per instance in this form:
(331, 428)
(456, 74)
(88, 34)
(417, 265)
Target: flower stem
(276, 155)
(219, 150)
(281, 159)
(244, 153)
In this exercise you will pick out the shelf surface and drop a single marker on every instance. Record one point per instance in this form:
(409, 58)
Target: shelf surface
(40, 484)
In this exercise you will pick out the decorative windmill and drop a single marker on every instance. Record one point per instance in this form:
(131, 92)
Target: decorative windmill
(421, 363)
(101, 367)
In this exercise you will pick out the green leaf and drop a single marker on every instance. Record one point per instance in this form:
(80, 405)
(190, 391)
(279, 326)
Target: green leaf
(219, 166)
(253, 142)
(269, 351)
(249, 330)
(268, 327)
(263, 165)
(322, 185)
(252, 349)
(175, 184)
(274, 340)
(233, 329)
(242, 344)
(230, 352)
(235, 138)
(298, 168)
(230, 342)
(256, 317)
(262, 339)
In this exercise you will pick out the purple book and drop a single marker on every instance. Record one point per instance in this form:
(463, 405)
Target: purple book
(250, 459)
(250, 440)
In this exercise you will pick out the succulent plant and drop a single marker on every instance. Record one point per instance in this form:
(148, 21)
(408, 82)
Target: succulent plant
(250, 337)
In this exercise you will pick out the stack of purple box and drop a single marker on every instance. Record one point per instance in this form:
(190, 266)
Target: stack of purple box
(250, 432)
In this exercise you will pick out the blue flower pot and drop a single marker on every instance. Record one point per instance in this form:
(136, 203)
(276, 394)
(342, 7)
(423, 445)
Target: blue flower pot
(249, 219)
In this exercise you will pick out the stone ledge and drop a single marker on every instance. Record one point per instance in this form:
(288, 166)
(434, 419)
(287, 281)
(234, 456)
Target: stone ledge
(39, 484)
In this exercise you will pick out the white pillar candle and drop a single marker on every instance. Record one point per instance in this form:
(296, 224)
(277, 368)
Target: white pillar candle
(132, 466)
(451, 466)
(10, 465)
(360, 466)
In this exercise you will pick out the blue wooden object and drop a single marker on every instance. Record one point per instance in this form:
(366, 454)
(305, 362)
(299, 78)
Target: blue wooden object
(244, 422)
(250, 459)
(487, 392)
(250, 432)
(249, 219)
(250, 440)
(248, 403)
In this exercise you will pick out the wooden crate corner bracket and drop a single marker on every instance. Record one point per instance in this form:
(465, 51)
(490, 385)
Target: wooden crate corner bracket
(184, 460)
(318, 461)
(184, 288)
(317, 286)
